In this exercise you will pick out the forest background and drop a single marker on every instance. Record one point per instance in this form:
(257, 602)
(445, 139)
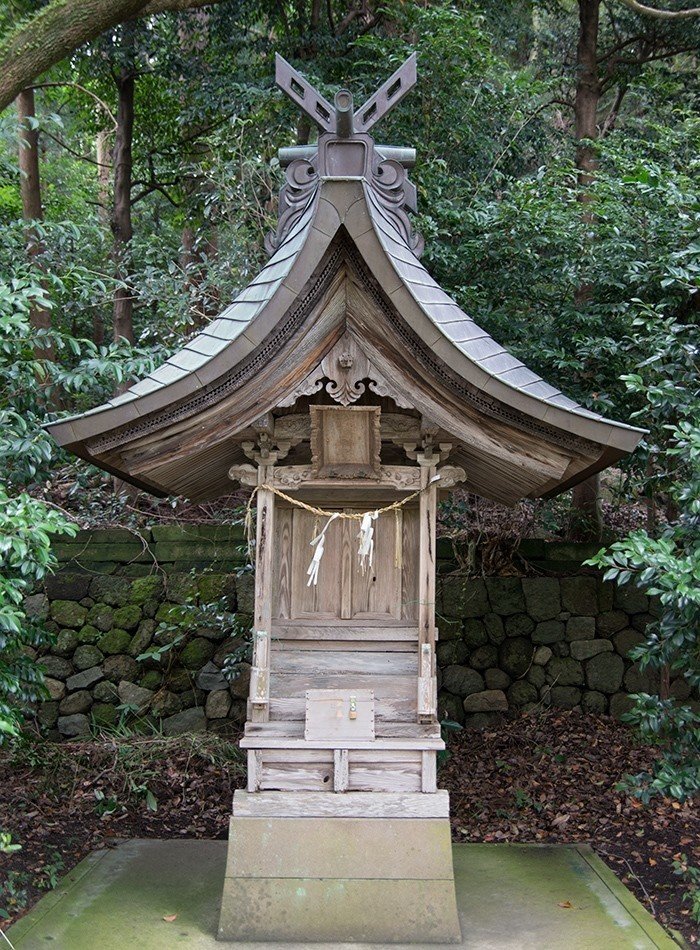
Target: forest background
(559, 196)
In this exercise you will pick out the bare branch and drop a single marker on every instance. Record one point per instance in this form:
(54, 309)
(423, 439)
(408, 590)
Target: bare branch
(655, 57)
(155, 186)
(611, 118)
(76, 85)
(72, 151)
(644, 10)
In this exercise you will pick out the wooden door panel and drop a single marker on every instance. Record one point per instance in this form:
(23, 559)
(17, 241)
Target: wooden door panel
(376, 594)
(387, 592)
(323, 599)
(282, 574)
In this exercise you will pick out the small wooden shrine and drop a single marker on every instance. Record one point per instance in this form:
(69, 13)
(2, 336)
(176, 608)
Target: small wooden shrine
(348, 392)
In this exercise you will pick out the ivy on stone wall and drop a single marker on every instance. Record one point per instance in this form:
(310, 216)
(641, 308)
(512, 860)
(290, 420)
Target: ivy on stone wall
(25, 559)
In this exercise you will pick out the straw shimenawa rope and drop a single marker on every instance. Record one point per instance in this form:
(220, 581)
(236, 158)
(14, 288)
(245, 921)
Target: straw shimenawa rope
(366, 519)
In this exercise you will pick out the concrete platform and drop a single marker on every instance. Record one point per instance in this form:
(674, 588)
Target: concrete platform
(510, 897)
(359, 880)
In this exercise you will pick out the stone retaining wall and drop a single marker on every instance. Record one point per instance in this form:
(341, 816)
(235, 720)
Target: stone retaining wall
(506, 643)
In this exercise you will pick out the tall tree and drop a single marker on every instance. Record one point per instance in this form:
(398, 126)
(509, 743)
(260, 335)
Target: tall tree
(586, 495)
(624, 51)
(32, 209)
(104, 168)
(122, 160)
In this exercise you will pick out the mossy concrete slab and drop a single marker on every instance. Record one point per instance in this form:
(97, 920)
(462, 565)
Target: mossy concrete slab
(510, 897)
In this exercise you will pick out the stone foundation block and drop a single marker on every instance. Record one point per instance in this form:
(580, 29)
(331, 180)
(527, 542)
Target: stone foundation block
(341, 880)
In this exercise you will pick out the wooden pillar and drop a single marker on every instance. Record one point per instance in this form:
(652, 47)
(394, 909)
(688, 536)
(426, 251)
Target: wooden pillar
(262, 623)
(427, 682)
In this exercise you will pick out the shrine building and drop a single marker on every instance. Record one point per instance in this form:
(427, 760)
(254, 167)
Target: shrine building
(349, 393)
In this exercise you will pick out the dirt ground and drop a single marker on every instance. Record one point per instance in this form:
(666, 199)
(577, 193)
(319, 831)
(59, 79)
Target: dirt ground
(545, 778)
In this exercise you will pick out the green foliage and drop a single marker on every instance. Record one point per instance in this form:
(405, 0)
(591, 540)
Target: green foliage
(447, 728)
(157, 652)
(26, 526)
(31, 383)
(6, 845)
(691, 876)
(243, 653)
(667, 566)
(13, 893)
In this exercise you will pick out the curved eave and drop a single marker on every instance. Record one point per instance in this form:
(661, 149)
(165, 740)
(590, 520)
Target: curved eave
(218, 348)
(261, 309)
(471, 351)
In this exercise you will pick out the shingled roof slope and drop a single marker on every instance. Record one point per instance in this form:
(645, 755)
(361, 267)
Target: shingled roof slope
(226, 327)
(343, 207)
(457, 326)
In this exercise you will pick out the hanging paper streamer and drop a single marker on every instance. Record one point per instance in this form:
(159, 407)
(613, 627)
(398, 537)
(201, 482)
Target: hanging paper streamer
(317, 544)
(366, 519)
(366, 536)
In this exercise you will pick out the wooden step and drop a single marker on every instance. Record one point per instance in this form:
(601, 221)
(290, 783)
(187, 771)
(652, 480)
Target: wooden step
(282, 742)
(346, 805)
(331, 662)
(340, 631)
(383, 730)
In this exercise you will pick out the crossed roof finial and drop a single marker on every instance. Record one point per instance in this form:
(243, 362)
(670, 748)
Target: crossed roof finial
(339, 118)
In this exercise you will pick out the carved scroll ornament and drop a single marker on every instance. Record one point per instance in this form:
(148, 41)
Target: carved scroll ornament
(347, 374)
(451, 475)
(246, 474)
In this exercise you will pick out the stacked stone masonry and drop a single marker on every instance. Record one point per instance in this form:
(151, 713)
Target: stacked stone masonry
(505, 643)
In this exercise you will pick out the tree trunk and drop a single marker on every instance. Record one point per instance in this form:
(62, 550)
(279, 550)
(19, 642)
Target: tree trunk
(60, 28)
(588, 523)
(586, 105)
(121, 212)
(199, 241)
(122, 230)
(303, 130)
(588, 516)
(32, 211)
(587, 90)
(104, 169)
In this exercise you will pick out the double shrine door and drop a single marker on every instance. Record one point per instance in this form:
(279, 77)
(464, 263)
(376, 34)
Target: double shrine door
(385, 593)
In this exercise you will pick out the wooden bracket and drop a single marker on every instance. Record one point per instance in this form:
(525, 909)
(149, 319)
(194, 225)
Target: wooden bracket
(427, 684)
(260, 672)
(266, 451)
(429, 454)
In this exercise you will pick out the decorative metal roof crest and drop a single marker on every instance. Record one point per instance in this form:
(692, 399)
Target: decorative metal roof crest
(345, 149)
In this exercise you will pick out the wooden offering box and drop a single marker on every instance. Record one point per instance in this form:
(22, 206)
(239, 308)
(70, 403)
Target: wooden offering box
(339, 715)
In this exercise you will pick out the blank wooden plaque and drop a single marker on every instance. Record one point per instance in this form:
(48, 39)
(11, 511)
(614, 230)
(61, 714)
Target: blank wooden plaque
(346, 441)
(328, 714)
